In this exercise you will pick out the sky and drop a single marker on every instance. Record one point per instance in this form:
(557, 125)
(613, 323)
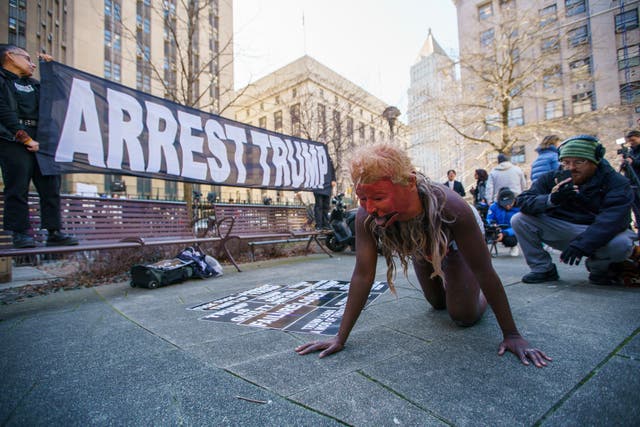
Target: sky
(372, 43)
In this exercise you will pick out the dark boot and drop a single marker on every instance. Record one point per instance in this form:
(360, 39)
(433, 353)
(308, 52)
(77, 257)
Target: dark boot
(23, 240)
(57, 238)
(548, 276)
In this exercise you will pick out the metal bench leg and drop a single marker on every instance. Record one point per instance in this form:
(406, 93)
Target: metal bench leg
(315, 238)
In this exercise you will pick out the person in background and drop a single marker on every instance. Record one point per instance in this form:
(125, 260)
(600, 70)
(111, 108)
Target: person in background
(585, 214)
(19, 105)
(453, 184)
(632, 160)
(505, 174)
(322, 201)
(500, 214)
(413, 220)
(547, 159)
(479, 192)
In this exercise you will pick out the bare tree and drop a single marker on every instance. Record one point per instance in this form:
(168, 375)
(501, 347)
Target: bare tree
(186, 75)
(517, 59)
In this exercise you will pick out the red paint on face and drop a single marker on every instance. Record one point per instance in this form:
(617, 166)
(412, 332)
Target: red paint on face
(387, 202)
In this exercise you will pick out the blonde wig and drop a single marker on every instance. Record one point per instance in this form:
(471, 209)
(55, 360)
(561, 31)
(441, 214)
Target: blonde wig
(424, 237)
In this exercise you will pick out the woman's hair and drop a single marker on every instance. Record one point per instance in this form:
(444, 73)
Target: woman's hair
(423, 237)
(482, 174)
(549, 140)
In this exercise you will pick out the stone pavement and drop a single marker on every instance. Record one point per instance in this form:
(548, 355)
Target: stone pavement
(113, 355)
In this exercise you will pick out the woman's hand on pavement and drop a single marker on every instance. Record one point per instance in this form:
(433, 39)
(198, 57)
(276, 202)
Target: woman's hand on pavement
(327, 347)
(520, 347)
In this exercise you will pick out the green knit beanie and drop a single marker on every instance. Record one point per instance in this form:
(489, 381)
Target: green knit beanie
(581, 146)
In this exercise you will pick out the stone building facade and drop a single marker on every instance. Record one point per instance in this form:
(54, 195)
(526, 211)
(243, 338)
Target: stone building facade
(137, 43)
(578, 64)
(308, 100)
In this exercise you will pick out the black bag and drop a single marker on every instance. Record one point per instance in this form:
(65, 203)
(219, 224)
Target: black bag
(161, 273)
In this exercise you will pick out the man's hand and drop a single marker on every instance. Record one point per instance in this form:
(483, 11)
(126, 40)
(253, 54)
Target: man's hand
(32, 146)
(561, 192)
(328, 347)
(572, 255)
(45, 57)
(520, 347)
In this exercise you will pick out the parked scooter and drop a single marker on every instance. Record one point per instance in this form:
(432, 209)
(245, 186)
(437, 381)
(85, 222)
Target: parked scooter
(343, 226)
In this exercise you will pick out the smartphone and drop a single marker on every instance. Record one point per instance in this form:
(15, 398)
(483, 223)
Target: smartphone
(562, 175)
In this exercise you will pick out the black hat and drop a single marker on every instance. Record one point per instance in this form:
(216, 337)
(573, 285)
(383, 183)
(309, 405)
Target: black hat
(506, 197)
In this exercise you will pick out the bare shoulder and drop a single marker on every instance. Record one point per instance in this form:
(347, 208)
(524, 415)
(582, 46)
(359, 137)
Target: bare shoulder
(455, 206)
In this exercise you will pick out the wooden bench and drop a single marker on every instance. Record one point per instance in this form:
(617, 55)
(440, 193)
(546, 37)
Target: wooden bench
(269, 224)
(106, 223)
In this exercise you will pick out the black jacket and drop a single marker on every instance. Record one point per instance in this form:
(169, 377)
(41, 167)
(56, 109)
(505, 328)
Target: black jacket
(457, 187)
(17, 104)
(603, 203)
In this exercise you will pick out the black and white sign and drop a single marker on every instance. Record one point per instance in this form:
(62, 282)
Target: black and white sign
(89, 124)
(312, 307)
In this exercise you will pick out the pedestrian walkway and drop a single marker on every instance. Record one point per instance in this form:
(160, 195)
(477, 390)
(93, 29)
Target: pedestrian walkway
(126, 356)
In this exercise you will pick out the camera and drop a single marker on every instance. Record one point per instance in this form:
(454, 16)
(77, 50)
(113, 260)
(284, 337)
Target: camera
(491, 233)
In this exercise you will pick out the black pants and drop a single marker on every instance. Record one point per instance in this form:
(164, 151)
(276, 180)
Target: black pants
(509, 241)
(19, 167)
(321, 209)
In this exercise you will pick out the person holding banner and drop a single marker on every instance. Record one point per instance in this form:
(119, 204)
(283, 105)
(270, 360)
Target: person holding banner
(19, 105)
(415, 220)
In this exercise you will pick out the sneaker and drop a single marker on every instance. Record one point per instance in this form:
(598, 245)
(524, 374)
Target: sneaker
(514, 251)
(23, 240)
(56, 238)
(604, 280)
(548, 276)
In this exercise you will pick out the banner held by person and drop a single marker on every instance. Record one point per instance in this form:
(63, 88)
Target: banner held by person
(89, 124)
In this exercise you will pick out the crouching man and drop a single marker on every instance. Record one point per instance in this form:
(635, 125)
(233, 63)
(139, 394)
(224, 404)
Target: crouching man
(583, 213)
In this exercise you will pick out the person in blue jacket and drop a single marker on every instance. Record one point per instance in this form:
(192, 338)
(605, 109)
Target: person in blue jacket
(500, 214)
(547, 157)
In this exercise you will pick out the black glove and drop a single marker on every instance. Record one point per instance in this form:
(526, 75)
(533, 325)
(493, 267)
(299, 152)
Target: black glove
(572, 255)
(563, 195)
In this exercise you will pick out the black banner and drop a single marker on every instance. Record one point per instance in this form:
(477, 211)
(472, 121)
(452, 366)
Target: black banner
(88, 124)
(310, 307)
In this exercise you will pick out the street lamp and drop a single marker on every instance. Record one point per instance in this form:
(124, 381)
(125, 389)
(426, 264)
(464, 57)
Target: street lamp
(391, 114)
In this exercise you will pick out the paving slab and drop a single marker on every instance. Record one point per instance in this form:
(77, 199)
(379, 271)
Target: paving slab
(117, 355)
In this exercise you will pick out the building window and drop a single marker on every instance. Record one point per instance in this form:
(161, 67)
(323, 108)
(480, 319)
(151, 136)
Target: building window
(485, 11)
(578, 36)
(277, 121)
(630, 93)
(372, 134)
(361, 131)
(549, 44)
(322, 122)
(583, 102)
(629, 56)
(337, 126)
(107, 69)
(143, 186)
(295, 120)
(294, 92)
(580, 70)
(350, 129)
(574, 7)
(262, 122)
(486, 37)
(171, 190)
(626, 21)
(492, 122)
(518, 154)
(116, 72)
(551, 77)
(548, 15)
(516, 117)
(553, 109)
